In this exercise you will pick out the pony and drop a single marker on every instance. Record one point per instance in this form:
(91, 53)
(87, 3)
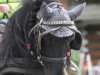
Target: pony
(38, 39)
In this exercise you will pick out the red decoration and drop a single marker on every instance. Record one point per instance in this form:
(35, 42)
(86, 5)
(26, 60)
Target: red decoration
(68, 54)
(28, 46)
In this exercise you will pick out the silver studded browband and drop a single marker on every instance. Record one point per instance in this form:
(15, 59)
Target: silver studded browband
(66, 22)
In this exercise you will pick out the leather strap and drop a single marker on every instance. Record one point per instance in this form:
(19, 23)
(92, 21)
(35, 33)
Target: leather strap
(16, 70)
(54, 60)
(18, 62)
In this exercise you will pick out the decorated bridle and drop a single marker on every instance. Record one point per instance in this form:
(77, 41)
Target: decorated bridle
(37, 30)
(41, 34)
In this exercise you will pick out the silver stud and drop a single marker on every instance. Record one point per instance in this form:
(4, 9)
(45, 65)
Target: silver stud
(48, 23)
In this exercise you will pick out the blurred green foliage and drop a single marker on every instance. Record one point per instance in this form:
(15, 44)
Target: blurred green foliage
(9, 1)
(14, 7)
(75, 57)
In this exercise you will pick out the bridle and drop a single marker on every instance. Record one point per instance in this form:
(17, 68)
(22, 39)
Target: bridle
(56, 26)
(37, 27)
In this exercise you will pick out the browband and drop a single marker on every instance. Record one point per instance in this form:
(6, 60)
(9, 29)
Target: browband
(53, 23)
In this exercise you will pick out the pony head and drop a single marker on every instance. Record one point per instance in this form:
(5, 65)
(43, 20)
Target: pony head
(54, 15)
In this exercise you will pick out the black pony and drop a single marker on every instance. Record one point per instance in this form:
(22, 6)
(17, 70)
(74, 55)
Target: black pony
(37, 38)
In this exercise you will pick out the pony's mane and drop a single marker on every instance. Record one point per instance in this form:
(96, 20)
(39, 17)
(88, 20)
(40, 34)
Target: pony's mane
(16, 34)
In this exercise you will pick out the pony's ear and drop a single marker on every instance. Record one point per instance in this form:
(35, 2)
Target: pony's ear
(75, 12)
(45, 11)
(44, 4)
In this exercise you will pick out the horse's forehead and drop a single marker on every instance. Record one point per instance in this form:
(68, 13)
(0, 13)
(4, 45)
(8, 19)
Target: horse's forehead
(59, 14)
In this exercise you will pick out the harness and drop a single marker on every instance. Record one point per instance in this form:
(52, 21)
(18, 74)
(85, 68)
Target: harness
(39, 34)
(38, 27)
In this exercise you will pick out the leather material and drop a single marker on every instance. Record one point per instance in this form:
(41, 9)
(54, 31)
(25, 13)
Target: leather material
(20, 65)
